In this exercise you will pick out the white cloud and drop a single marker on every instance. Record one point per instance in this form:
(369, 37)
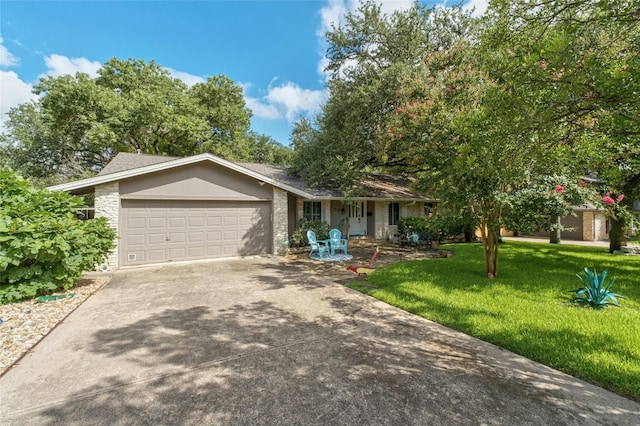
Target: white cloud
(14, 92)
(262, 110)
(295, 101)
(61, 65)
(287, 100)
(188, 79)
(7, 59)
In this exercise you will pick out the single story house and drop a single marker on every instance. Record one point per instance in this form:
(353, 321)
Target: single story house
(174, 209)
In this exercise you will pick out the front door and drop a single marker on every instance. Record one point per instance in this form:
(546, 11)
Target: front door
(357, 218)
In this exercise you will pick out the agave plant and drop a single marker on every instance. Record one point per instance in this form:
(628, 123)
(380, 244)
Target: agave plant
(595, 292)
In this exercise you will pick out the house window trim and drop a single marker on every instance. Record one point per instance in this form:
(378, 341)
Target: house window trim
(312, 212)
(394, 213)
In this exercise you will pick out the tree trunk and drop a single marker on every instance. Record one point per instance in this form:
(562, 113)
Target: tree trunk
(490, 247)
(469, 234)
(554, 236)
(616, 236)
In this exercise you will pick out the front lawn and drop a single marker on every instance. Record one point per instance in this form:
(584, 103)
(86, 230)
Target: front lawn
(528, 309)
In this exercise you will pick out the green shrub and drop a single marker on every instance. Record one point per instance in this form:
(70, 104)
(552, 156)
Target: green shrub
(594, 292)
(299, 236)
(420, 224)
(43, 246)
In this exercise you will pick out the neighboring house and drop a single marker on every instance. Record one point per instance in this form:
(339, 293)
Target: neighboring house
(173, 209)
(589, 224)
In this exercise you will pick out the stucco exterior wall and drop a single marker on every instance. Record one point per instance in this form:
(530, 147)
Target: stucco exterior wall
(107, 204)
(280, 231)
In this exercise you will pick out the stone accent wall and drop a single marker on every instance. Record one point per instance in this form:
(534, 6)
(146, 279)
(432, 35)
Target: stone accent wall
(280, 222)
(588, 226)
(107, 204)
(326, 211)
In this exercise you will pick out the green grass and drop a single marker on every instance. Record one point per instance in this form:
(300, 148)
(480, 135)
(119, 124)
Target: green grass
(528, 309)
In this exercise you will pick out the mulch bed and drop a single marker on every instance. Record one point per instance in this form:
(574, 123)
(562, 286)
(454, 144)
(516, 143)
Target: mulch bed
(361, 250)
(24, 324)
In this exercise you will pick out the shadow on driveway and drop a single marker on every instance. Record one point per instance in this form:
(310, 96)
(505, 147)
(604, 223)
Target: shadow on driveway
(258, 341)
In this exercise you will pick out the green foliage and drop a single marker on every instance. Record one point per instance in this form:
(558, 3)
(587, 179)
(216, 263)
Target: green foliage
(80, 123)
(299, 236)
(367, 58)
(407, 225)
(540, 201)
(43, 246)
(526, 310)
(595, 292)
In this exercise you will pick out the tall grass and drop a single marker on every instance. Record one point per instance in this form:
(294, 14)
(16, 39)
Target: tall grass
(528, 309)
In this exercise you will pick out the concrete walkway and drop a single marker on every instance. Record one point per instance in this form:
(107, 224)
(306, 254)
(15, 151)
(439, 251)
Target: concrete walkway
(264, 341)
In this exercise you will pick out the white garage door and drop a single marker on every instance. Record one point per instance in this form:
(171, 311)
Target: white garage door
(163, 231)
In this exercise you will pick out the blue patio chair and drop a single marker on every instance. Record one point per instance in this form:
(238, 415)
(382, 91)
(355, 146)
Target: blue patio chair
(321, 246)
(336, 242)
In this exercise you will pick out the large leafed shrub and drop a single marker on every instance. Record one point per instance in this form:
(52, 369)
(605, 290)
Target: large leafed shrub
(43, 246)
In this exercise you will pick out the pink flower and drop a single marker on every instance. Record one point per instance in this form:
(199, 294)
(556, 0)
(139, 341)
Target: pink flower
(582, 183)
(412, 115)
(399, 136)
(559, 188)
(608, 200)
(620, 197)
(543, 65)
(399, 109)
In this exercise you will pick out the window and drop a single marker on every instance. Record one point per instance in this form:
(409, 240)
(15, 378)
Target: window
(312, 210)
(394, 213)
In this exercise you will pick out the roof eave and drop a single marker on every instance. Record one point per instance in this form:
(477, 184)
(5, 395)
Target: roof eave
(126, 174)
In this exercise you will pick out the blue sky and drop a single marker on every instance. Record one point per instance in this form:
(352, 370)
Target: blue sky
(274, 50)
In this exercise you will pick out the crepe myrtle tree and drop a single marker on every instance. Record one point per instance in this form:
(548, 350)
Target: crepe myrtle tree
(459, 132)
(540, 203)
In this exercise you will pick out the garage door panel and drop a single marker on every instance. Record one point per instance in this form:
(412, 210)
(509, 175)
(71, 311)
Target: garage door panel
(214, 251)
(155, 239)
(156, 255)
(214, 220)
(160, 231)
(214, 236)
(177, 222)
(136, 239)
(177, 237)
(230, 220)
(197, 252)
(136, 223)
(196, 221)
(157, 222)
(196, 237)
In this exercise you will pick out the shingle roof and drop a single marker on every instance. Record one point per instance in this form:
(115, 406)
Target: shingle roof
(373, 185)
(127, 161)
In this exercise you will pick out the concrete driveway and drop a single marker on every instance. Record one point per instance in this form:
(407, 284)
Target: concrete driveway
(264, 341)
